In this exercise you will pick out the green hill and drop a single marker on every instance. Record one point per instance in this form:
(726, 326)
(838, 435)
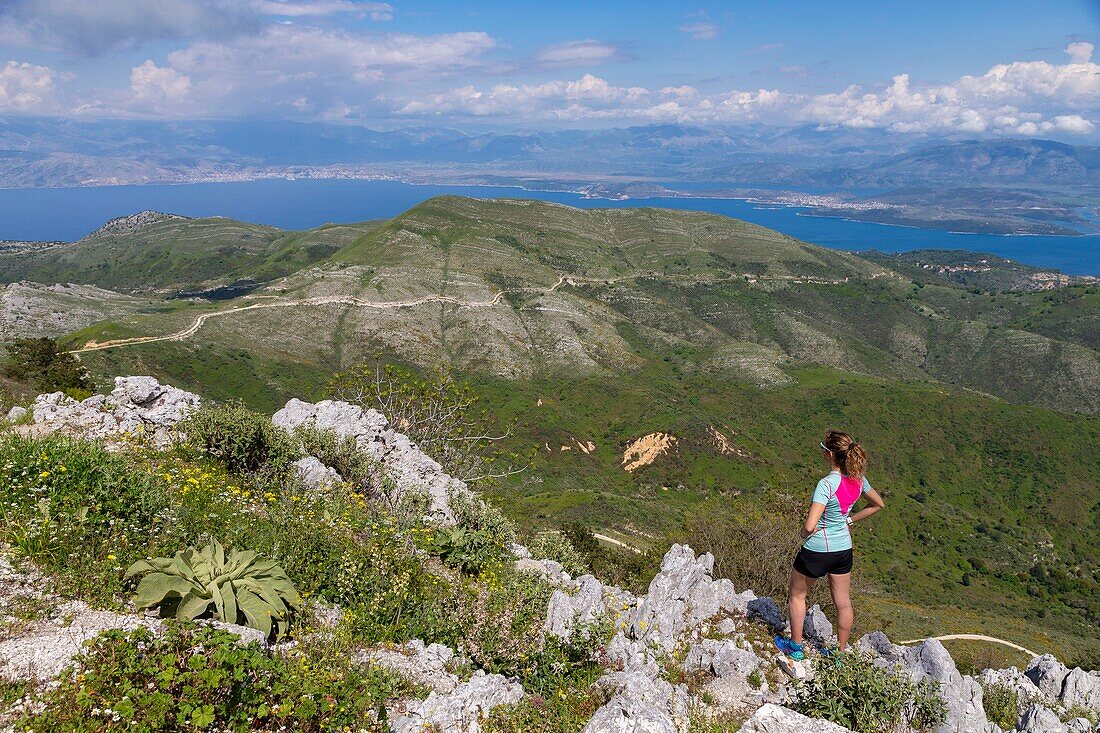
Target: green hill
(170, 253)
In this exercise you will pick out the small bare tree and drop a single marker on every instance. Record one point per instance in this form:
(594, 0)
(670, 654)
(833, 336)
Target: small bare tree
(440, 414)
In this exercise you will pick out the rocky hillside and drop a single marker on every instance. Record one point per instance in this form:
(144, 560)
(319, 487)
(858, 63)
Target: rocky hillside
(519, 288)
(418, 609)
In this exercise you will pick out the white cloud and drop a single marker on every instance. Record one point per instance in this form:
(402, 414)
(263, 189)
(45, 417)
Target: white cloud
(157, 88)
(700, 31)
(305, 8)
(26, 88)
(311, 71)
(1019, 98)
(1080, 52)
(91, 28)
(577, 53)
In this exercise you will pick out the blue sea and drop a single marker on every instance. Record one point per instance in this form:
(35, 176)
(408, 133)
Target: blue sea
(70, 213)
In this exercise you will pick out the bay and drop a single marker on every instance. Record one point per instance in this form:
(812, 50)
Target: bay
(69, 213)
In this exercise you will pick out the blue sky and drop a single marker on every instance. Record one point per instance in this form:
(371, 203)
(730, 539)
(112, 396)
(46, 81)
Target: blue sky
(1001, 68)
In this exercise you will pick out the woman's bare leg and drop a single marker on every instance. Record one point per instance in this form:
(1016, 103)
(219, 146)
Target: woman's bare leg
(800, 587)
(840, 587)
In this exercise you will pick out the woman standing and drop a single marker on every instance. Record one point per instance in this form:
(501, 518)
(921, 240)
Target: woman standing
(827, 534)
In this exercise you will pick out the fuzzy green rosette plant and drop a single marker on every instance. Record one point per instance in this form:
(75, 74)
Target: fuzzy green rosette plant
(241, 588)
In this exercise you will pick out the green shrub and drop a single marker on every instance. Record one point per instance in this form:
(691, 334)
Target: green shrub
(201, 678)
(852, 691)
(240, 588)
(496, 621)
(554, 545)
(244, 441)
(470, 550)
(78, 512)
(442, 415)
(564, 712)
(386, 589)
(1001, 705)
(40, 363)
(482, 538)
(341, 453)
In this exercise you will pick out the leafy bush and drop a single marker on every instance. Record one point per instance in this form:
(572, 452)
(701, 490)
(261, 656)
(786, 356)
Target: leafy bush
(1001, 705)
(78, 512)
(201, 678)
(243, 440)
(565, 712)
(42, 364)
(554, 545)
(341, 453)
(469, 550)
(496, 622)
(851, 691)
(614, 565)
(239, 589)
(443, 416)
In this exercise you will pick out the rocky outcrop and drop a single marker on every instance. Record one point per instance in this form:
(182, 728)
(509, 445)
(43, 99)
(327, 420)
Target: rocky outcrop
(427, 665)
(1049, 685)
(722, 658)
(409, 470)
(1040, 719)
(1048, 674)
(1081, 689)
(315, 475)
(771, 718)
(682, 595)
(461, 710)
(1014, 680)
(639, 704)
(44, 648)
(681, 599)
(929, 660)
(138, 407)
(817, 626)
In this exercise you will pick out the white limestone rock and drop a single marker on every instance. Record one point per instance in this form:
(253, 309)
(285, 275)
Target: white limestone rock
(1081, 689)
(817, 626)
(138, 406)
(44, 648)
(770, 718)
(1048, 674)
(566, 611)
(411, 471)
(461, 710)
(1040, 719)
(722, 658)
(427, 665)
(315, 475)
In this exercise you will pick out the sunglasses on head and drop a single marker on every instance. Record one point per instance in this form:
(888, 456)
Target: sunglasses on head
(822, 444)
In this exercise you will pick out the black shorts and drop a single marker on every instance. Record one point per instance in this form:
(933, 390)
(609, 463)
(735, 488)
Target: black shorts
(819, 564)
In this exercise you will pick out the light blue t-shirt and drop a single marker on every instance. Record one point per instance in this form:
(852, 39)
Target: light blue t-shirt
(839, 494)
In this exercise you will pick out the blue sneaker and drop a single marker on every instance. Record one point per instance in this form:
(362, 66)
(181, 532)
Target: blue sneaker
(789, 648)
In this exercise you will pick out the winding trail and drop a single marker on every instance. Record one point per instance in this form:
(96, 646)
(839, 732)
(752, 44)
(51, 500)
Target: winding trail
(201, 319)
(975, 637)
(321, 300)
(618, 543)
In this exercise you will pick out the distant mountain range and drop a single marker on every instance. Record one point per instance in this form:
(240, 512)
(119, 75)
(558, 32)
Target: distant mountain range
(45, 152)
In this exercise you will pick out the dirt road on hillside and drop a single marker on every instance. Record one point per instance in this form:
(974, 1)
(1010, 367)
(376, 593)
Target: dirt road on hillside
(322, 300)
